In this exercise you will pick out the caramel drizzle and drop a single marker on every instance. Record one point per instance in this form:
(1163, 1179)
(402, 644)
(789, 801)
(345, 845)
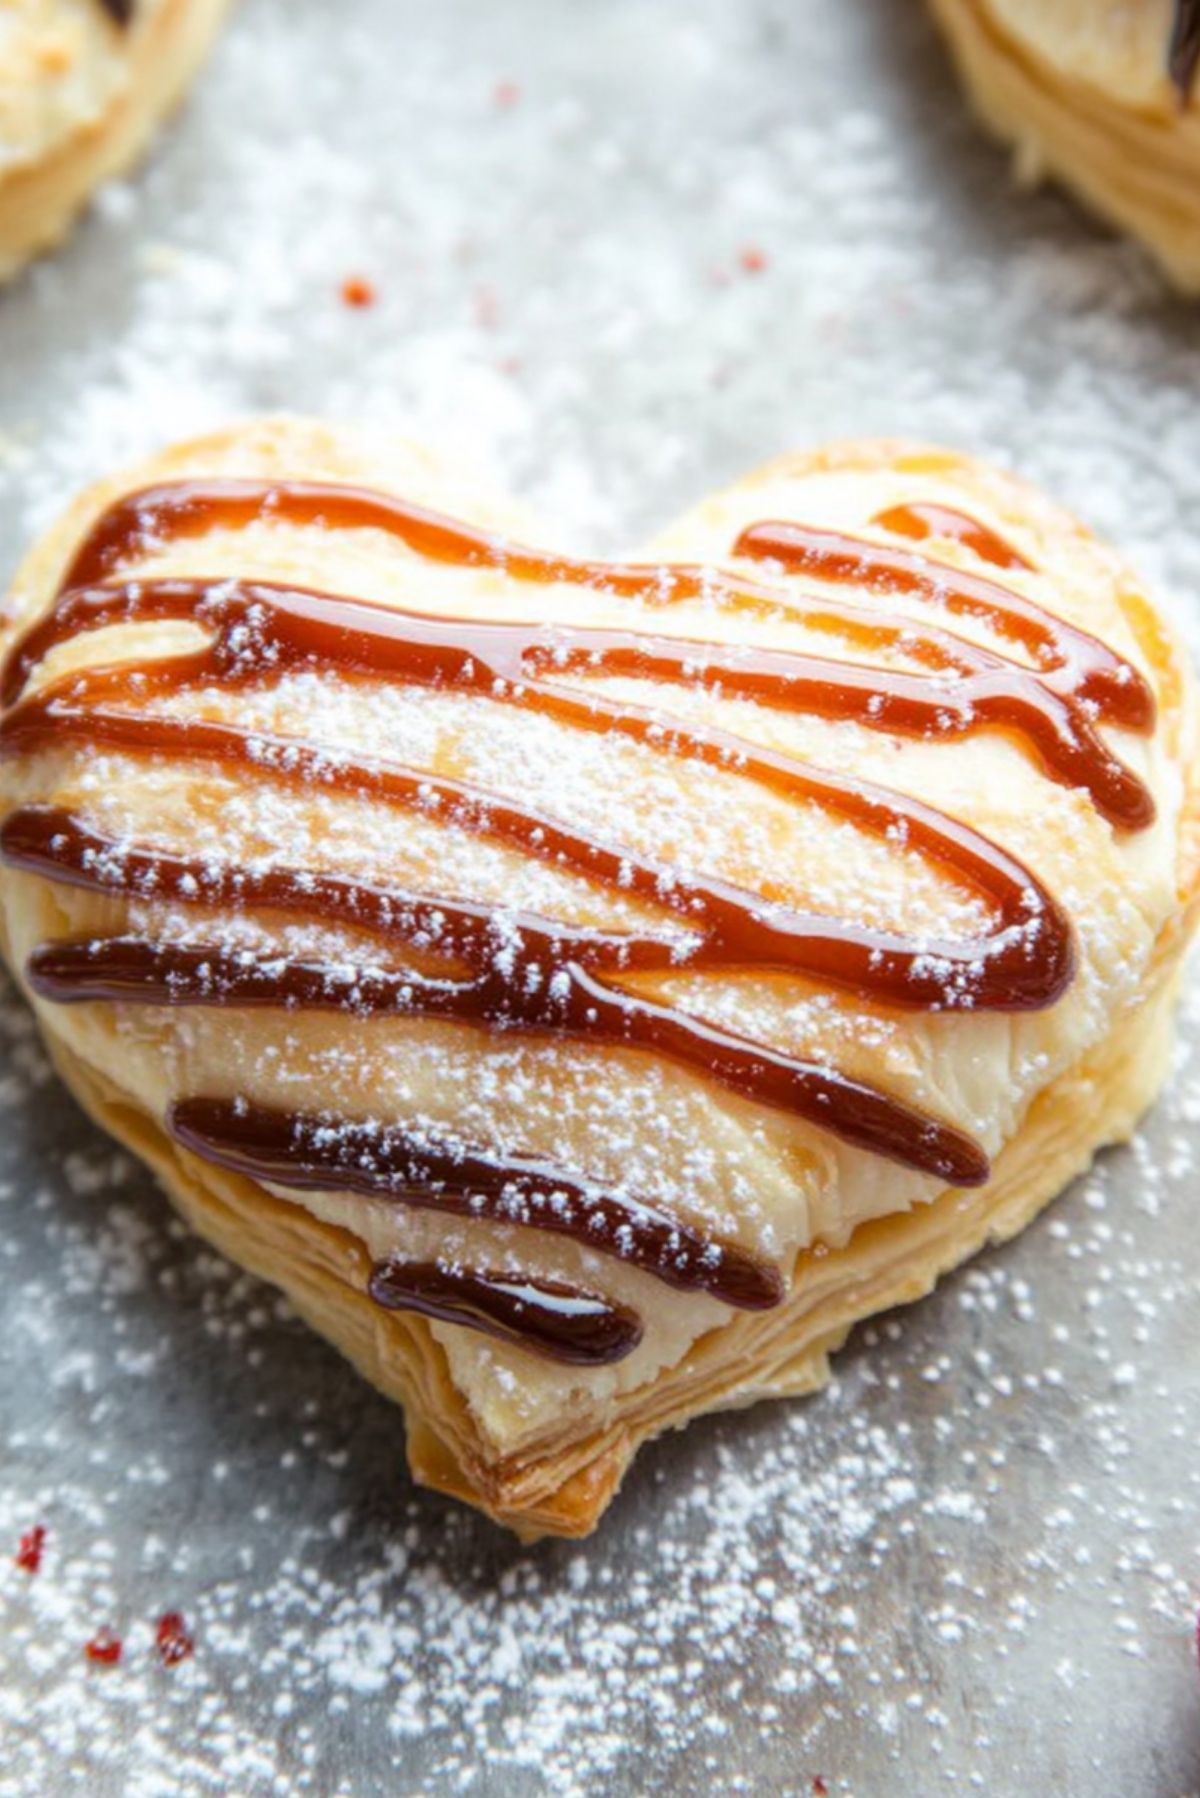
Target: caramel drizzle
(564, 1322)
(546, 984)
(262, 628)
(921, 521)
(1183, 54)
(318, 1154)
(1075, 681)
(560, 978)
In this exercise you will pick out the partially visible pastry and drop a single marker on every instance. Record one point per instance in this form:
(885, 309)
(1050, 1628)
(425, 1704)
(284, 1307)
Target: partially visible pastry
(83, 83)
(1097, 94)
(588, 988)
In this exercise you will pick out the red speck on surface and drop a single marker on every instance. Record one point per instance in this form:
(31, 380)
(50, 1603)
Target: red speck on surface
(506, 93)
(358, 291)
(820, 1789)
(753, 260)
(29, 1551)
(104, 1648)
(487, 309)
(172, 1639)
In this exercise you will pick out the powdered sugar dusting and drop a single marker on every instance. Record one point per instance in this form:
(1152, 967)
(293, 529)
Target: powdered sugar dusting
(806, 1586)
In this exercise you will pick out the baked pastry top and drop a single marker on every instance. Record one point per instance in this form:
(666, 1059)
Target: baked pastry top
(1100, 97)
(589, 987)
(82, 85)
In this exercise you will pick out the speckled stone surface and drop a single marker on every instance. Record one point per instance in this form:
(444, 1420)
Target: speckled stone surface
(618, 252)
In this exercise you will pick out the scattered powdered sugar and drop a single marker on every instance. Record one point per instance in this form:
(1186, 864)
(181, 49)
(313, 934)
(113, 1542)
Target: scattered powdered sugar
(899, 1573)
(609, 261)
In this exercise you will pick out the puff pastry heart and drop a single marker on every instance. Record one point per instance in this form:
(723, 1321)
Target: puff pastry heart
(1099, 97)
(588, 988)
(83, 83)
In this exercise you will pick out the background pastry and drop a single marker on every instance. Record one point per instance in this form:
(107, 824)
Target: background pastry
(588, 988)
(82, 85)
(1098, 96)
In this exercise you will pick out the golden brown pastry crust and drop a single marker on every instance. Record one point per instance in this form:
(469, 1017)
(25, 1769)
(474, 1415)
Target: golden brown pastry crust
(80, 96)
(540, 1447)
(1084, 93)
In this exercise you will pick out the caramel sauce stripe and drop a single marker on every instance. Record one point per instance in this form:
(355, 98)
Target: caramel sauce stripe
(554, 1319)
(262, 628)
(389, 1161)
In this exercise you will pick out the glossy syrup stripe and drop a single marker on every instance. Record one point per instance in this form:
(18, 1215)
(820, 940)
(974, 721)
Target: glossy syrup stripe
(563, 979)
(547, 1316)
(391, 1162)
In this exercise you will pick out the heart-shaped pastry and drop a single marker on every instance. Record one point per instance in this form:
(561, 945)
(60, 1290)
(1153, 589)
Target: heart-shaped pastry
(83, 83)
(1100, 98)
(586, 988)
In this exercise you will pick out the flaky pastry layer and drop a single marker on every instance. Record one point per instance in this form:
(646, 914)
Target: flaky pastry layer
(1083, 93)
(80, 96)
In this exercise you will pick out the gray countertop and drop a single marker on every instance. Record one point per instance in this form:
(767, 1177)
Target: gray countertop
(621, 251)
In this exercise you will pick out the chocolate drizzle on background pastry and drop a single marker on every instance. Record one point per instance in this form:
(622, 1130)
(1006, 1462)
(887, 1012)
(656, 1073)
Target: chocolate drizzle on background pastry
(561, 979)
(1184, 52)
(120, 11)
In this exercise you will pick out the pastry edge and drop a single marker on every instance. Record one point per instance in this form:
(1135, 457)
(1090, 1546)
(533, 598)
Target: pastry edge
(1059, 129)
(40, 199)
